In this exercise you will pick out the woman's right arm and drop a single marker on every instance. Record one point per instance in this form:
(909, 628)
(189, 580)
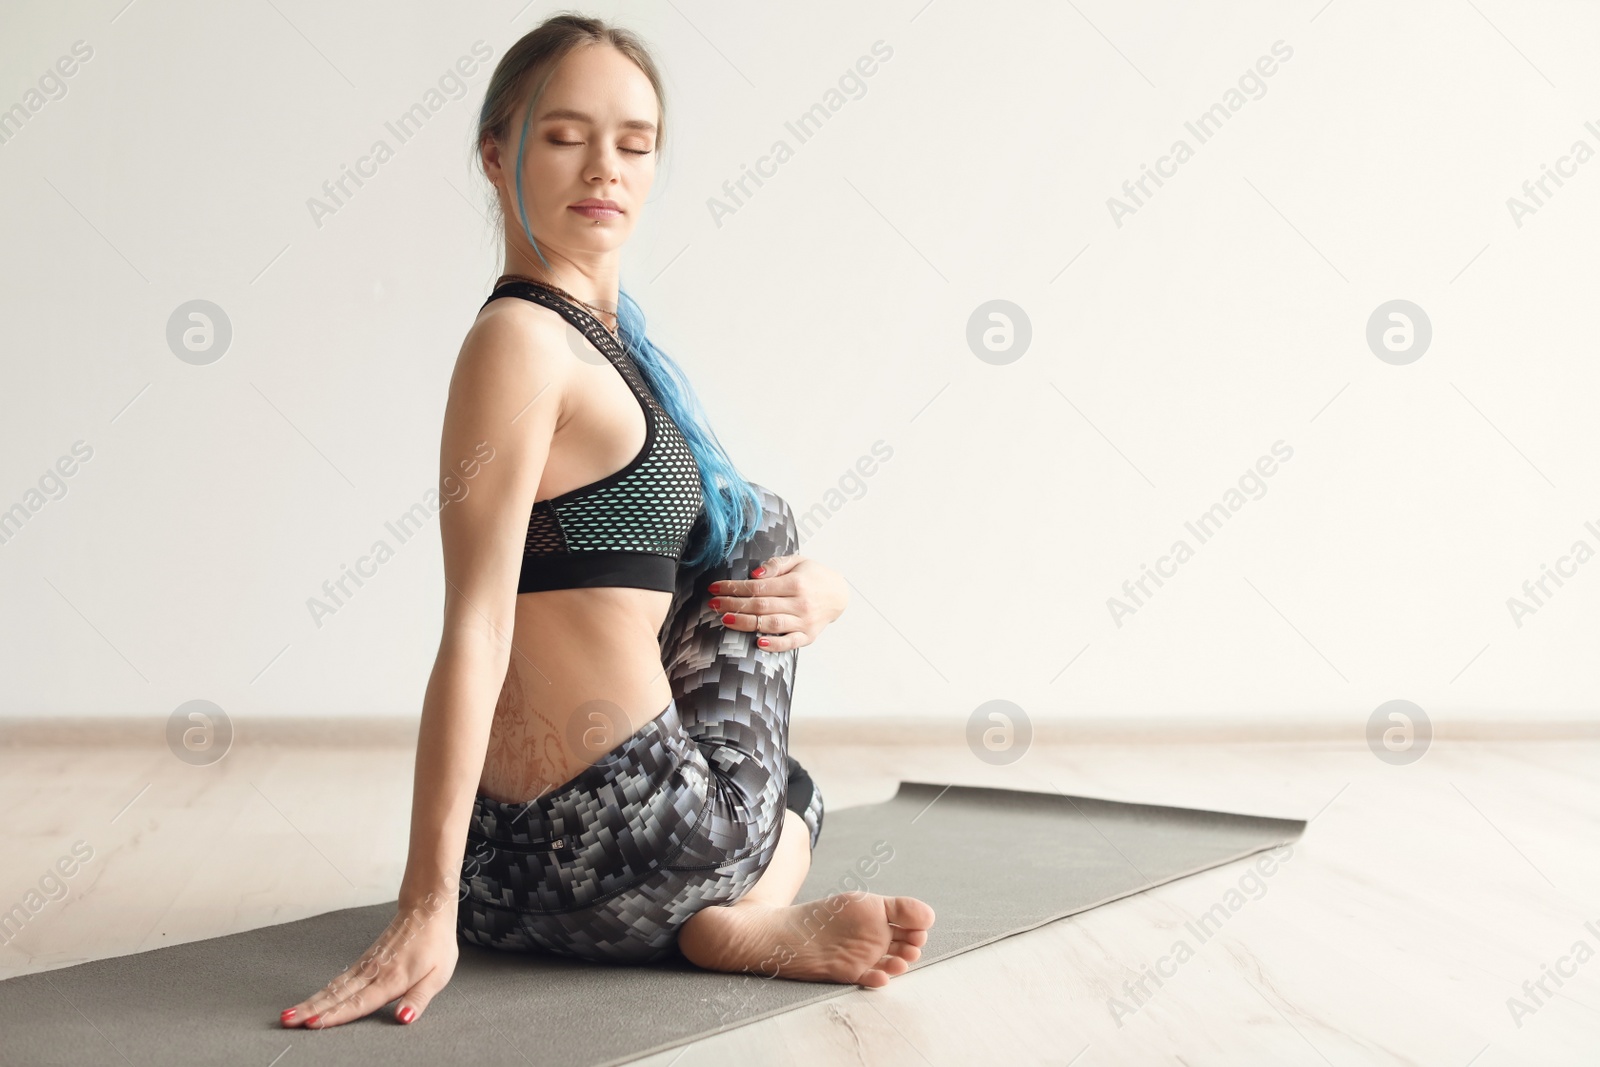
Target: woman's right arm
(506, 398)
(505, 401)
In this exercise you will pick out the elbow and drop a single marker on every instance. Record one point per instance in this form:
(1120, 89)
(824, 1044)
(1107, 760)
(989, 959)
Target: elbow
(485, 635)
(479, 628)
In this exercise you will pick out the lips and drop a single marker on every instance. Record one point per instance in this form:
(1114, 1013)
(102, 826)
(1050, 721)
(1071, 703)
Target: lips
(597, 209)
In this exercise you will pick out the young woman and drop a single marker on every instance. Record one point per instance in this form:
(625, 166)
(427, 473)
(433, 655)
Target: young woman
(602, 766)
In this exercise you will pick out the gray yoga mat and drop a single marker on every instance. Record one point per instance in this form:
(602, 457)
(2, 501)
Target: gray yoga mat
(991, 862)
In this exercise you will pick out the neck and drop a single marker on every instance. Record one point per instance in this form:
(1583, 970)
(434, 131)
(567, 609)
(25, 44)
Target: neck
(598, 289)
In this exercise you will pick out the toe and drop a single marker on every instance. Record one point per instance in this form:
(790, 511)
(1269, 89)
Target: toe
(908, 937)
(901, 950)
(908, 912)
(873, 979)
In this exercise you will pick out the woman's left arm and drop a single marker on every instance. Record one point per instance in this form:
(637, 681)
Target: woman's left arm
(787, 599)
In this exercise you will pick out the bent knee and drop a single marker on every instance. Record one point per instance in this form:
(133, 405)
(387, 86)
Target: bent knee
(778, 534)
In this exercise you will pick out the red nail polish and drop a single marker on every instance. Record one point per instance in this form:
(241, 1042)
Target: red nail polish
(762, 642)
(715, 606)
(407, 1013)
(288, 1013)
(728, 618)
(758, 572)
(313, 1020)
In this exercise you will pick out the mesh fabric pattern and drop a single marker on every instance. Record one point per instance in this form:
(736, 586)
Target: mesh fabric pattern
(594, 534)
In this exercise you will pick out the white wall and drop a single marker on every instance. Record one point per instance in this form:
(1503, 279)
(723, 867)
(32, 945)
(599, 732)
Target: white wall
(829, 312)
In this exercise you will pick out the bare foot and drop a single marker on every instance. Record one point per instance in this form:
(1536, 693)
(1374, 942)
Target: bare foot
(849, 937)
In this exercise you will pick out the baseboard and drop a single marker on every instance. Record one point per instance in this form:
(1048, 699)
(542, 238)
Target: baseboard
(401, 731)
(883, 731)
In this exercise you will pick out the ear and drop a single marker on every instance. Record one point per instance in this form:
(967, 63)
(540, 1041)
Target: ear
(489, 156)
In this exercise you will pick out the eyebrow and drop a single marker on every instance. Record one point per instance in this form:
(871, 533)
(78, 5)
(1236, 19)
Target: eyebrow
(579, 116)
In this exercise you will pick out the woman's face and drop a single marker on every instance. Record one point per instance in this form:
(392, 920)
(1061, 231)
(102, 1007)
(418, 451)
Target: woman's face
(592, 138)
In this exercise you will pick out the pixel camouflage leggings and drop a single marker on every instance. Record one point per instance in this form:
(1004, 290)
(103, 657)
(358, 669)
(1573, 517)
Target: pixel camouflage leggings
(684, 814)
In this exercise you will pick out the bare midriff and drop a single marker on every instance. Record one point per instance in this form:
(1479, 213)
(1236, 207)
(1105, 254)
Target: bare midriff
(585, 674)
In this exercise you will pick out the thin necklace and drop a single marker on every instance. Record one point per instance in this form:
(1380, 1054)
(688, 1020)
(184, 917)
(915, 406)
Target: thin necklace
(597, 312)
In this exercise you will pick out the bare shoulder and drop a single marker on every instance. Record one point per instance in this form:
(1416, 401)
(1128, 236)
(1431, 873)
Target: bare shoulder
(514, 347)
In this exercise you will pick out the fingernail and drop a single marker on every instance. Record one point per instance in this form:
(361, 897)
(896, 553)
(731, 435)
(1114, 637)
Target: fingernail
(728, 619)
(762, 641)
(758, 572)
(288, 1013)
(407, 1013)
(313, 1020)
(716, 605)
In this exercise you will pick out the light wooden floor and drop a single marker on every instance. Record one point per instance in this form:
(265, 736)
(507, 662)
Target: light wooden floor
(1420, 899)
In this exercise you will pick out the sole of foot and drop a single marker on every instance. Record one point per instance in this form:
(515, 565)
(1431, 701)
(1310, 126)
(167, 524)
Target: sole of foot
(860, 938)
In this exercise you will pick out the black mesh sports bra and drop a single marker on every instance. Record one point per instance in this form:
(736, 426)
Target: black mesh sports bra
(631, 527)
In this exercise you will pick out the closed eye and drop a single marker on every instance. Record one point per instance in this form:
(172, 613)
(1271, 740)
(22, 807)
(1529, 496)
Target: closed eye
(630, 151)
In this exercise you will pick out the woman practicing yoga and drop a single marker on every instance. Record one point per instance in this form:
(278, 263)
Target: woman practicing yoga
(602, 764)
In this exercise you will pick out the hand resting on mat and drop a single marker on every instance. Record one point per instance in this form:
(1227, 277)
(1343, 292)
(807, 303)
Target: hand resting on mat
(412, 959)
(792, 597)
